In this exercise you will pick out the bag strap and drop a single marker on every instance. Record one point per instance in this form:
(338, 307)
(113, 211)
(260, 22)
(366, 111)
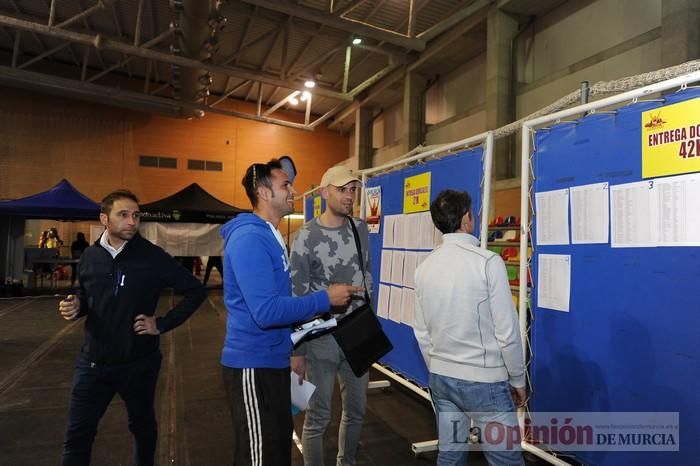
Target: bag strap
(358, 245)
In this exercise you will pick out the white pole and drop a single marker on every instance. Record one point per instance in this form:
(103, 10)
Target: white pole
(363, 196)
(524, 231)
(486, 195)
(548, 457)
(400, 380)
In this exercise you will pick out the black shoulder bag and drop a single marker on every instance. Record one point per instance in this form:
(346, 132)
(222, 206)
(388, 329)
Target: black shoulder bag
(360, 334)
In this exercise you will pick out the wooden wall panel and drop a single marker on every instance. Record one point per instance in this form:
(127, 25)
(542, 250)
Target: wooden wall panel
(507, 202)
(97, 148)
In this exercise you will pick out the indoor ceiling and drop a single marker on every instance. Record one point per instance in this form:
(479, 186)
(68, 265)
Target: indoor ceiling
(190, 57)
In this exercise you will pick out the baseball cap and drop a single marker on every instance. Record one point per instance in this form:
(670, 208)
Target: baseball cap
(338, 176)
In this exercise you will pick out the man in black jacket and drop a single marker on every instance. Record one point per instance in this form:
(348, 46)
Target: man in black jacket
(121, 278)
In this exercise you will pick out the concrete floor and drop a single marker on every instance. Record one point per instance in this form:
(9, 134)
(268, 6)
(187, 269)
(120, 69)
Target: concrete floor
(37, 353)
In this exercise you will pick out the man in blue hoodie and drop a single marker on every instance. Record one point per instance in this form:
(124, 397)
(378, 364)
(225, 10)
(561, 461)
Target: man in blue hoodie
(261, 311)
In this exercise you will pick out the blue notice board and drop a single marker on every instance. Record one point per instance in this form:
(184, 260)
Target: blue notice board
(462, 171)
(631, 339)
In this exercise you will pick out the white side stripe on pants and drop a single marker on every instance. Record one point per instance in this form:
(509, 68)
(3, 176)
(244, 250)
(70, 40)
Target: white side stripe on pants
(250, 400)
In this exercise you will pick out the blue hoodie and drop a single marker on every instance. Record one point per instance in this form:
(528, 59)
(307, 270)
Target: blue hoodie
(258, 296)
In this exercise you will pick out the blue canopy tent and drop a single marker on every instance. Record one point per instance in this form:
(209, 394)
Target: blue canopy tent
(62, 202)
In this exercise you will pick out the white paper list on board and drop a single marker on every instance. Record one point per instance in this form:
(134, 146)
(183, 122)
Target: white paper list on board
(397, 267)
(408, 307)
(412, 240)
(425, 231)
(401, 232)
(552, 217)
(590, 214)
(634, 215)
(410, 261)
(437, 237)
(383, 301)
(395, 303)
(388, 231)
(679, 215)
(554, 281)
(385, 267)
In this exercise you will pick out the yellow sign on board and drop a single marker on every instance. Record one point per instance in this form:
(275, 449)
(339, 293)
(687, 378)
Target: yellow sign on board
(317, 206)
(671, 139)
(416, 193)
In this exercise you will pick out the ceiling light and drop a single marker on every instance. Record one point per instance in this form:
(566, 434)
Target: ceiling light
(306, 95)
(356, 41)
(293, 100)
(310, 84)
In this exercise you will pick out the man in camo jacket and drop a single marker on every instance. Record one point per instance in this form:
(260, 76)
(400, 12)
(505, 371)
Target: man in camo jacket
(324, 252)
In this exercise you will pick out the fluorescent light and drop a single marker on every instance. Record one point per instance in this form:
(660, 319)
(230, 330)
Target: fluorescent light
(356, 41)
(310, 84)
(295, 216)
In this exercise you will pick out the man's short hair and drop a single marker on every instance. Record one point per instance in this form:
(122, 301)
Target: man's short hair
(108, 202)
(448, 209)
(259, 174)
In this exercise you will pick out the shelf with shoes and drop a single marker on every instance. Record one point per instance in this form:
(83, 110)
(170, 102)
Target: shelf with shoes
(504, 239)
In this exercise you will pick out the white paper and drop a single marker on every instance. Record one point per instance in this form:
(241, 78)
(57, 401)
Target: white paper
(410, 262)
(678, 212)
(383, 302)
(312, 327)
(395, 303)
(425, 231)
(634, 215)
(552, 217)
(388, 233)
(590, 214)
(554, 281)
(301, 394)
(437, 237)
(385, 266)
(401, 232)
(412, 236)
(408, 307)
(397, 267)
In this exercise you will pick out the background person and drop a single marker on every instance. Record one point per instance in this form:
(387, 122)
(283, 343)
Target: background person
(324, 252)
(121, 277)
(213, 261)
(77, 248)
(467, 331)
(261, 310)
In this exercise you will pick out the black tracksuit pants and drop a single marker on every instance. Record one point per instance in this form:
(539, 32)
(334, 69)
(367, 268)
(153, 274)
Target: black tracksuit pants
(261, 410)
